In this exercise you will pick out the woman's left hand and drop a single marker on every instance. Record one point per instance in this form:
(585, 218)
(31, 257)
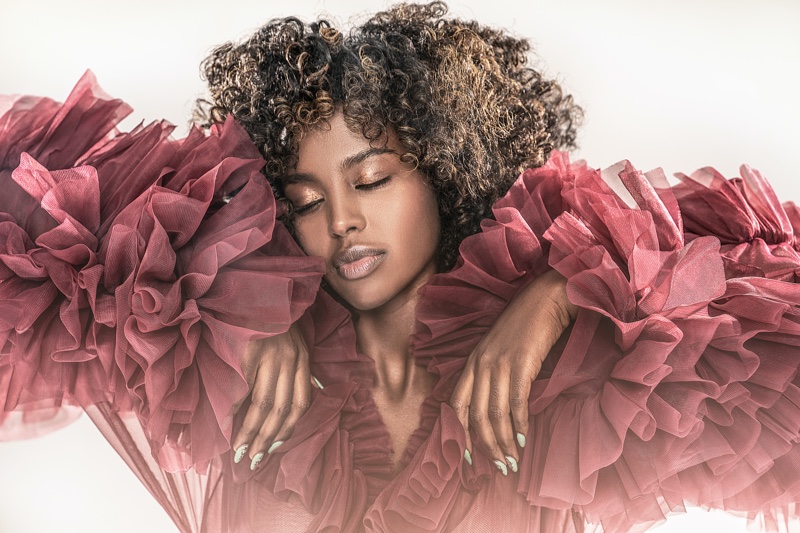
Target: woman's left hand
(491, 397)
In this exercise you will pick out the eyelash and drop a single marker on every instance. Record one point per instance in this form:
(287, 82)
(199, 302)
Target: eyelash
(374, 185)
(304, 209)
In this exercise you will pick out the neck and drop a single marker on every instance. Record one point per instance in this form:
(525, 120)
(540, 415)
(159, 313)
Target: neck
(384, 334)
(400, 386)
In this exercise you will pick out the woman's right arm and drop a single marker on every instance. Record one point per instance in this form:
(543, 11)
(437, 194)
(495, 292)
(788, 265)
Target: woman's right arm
(277, 372)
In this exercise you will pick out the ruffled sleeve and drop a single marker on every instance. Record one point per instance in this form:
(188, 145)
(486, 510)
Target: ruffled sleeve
(756, 231)
(696, 399)
(677, 382)
(37, 132)
(130, 275)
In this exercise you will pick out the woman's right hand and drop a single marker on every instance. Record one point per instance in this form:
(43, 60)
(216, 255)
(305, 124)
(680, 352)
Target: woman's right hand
(278, 375)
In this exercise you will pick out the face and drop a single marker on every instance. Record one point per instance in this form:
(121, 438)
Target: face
(370, 216)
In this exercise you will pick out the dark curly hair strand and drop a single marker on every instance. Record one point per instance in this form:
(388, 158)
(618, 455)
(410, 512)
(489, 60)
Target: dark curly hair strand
(459, 96)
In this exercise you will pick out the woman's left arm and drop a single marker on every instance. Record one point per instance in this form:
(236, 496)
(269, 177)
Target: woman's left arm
(491, 397)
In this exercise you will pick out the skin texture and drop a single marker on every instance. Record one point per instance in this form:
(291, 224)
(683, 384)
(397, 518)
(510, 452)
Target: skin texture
(277, 372)
(350, 193)
(491, 397)
(463, 102)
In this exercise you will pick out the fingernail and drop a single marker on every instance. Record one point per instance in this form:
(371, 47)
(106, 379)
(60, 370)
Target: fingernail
(512, 463)
(502, 467)
(239, 453)
(316, 381)
(256, 460)
(521, 440)
(274, 446)
(468, 457)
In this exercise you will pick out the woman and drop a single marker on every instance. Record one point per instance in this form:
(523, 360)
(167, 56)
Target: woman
(119, 219)
(384, 225)
(367, 279)
(470, 157)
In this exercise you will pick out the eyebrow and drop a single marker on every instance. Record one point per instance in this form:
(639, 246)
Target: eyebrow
(356, 159)
(291, 179)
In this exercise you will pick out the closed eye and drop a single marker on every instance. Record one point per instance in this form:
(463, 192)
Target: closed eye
(374, 185)
(306, 208)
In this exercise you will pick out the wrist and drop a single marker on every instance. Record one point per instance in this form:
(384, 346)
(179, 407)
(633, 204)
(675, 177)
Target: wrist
(550, 287)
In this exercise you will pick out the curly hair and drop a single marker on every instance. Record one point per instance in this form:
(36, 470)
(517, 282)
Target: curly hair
(459, 96)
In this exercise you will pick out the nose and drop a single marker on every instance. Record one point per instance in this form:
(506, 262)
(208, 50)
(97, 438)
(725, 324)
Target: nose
(345, 216)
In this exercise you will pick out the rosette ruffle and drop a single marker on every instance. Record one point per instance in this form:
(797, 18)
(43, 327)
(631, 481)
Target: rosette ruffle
(39, 131)
(677, 383)
(132, 277)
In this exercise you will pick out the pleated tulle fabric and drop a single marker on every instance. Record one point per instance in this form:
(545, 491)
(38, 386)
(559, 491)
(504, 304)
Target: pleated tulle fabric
(131, 278)
(675, 386)
(127, 278)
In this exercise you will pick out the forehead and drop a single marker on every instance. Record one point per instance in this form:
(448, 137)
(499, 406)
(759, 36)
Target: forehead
(333, 142)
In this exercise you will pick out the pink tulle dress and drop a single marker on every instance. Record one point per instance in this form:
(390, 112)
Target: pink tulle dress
(131, 279)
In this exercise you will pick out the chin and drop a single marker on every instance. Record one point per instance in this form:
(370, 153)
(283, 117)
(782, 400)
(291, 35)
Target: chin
(363, 298)
(362, 302)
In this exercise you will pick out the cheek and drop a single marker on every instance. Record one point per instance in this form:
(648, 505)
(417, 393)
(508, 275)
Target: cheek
(430, 215)
(311, 236)
(419, 223)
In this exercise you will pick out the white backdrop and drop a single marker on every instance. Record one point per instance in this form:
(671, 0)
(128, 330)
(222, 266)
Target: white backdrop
(678, 84)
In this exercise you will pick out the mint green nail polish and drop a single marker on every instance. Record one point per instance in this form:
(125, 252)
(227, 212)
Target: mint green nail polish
(257, 459)
(512, 463)
(468, 457)
(240, 451)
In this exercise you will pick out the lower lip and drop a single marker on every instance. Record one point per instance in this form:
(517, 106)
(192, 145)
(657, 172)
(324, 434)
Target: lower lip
(360, 268)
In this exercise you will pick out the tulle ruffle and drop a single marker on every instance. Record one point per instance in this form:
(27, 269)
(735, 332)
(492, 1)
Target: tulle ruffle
(39, 131)
(757, 232)
(676, 384)
(697, 403)
(132, 277)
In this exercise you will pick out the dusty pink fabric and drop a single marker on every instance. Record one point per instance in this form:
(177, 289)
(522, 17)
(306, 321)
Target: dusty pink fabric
(677, 382)
(124, 274)
(129, 287)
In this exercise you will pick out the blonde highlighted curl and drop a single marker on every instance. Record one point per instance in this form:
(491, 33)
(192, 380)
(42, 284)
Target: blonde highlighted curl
(459, 96)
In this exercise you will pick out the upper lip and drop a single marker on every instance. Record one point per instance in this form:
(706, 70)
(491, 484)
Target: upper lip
(354, 253)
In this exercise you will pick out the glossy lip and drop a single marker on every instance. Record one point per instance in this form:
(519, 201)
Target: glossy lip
(357, 262)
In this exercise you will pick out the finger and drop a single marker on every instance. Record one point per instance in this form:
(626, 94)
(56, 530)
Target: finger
(301, 399)
(479, 419)
(262, 400)
(460, 401)
(265, 441)
(518, 401)
(249, 364)
(500, 416)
